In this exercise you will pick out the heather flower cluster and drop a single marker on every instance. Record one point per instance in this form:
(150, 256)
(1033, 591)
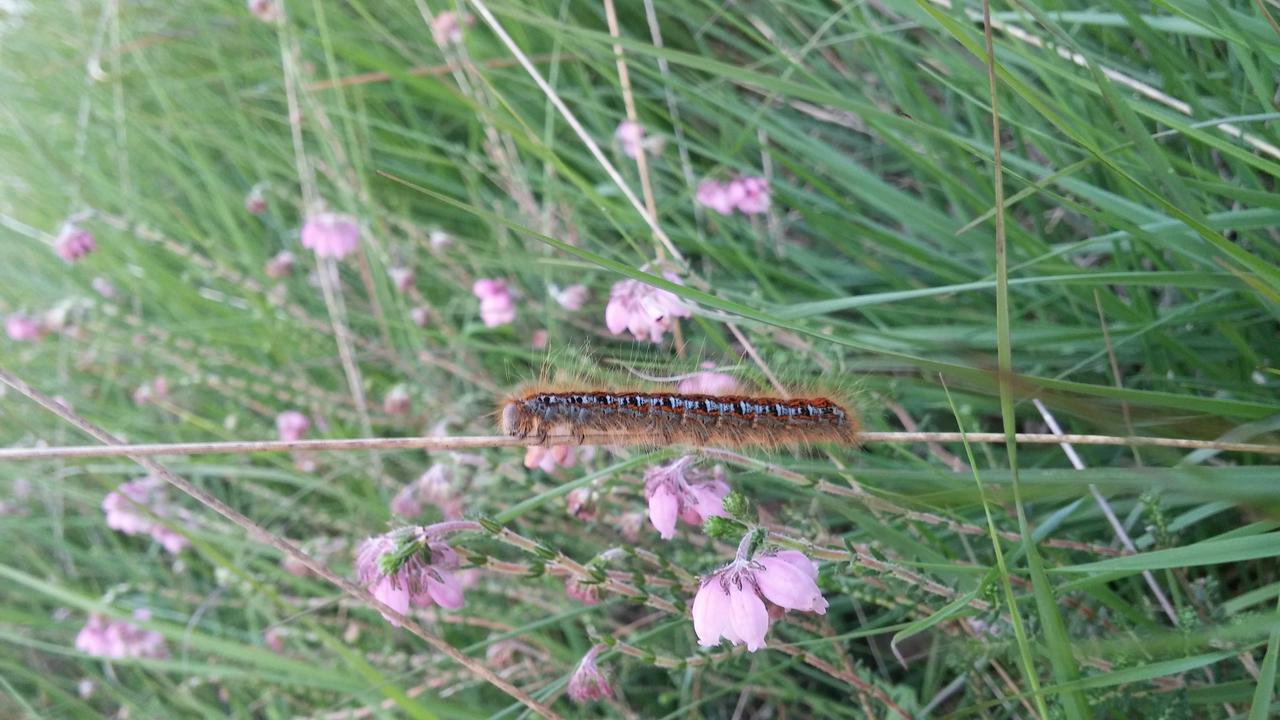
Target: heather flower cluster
(125, 513)
(422, 579)
(497, 305)
(433, 488)
(709, 383)
(22, 327)
(632, 139)
(74, 242)
(747, 195)
(732, 602)
(446, 29)
(587, 682)
(680, 490)
(547, 459)
(643, 310)
(118, 639)
(331, 235)
(292, 425)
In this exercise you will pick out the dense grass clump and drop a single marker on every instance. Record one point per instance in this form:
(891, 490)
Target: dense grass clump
(323, 220)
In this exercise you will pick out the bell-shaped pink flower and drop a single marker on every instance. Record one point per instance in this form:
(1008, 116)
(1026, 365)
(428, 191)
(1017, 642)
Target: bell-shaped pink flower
(732, 602)
(420, 315)
(497, 306)
(331, 234)
(265, 10)
(124, 510)
(281, 265)
(714, 195)
(548, 459)
(21, 327)
(74, 242)
(709, 383)
(645, 311)
(397, 401)
(586, 593)
(402, 277)
(587, 682)
(678, 490)
(255, 202)
(571, 298)
(446, 29)
(292, 425)
(434, 487)
(151, 391)
(118, 639)
(750, 194)
(424, 579)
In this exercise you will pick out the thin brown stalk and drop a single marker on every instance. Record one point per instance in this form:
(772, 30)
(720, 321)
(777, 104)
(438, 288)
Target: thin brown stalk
(245, 447)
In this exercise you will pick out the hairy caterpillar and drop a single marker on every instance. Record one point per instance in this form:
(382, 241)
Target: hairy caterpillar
(666, 418)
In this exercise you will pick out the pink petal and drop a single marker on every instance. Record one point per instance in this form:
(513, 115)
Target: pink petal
(616, 316)
(710, 611)
(800, 560)
(747, 616)
(395, 597)
(663, 509)
(446, 591)
(788, 586)
(710, 500)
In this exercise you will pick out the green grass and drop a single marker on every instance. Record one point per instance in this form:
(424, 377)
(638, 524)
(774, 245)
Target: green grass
(877, 268)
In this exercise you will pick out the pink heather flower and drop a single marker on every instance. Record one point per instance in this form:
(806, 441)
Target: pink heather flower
(497, 307)
(709, 383)
(103, 287)
(750, 194)
(150, 391)
(420, 315)
(629, 525)
(439, 240)
(446, 29)
(571, 298)
(21, 327)
(714, 194)
(539, 339)
(123, 508)
(403, 278)
(265, 10)
(274, 639)
(631, 138)
(548, 459)
(581, 503)
(118, 639)
(679, 490)
(396, 401)
(730, 604)
(281, 265)
(586, 593)
(419, 581)
(587, 682)
(74, 242)
(434, 487)
(292, 425)
(643, 310)
(330, 234)
(255, 203)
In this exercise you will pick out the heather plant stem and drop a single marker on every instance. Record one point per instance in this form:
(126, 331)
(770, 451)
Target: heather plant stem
(262, 535)
(461, 442)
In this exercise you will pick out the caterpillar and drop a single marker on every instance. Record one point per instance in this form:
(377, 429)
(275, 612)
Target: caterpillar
(674, 418)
